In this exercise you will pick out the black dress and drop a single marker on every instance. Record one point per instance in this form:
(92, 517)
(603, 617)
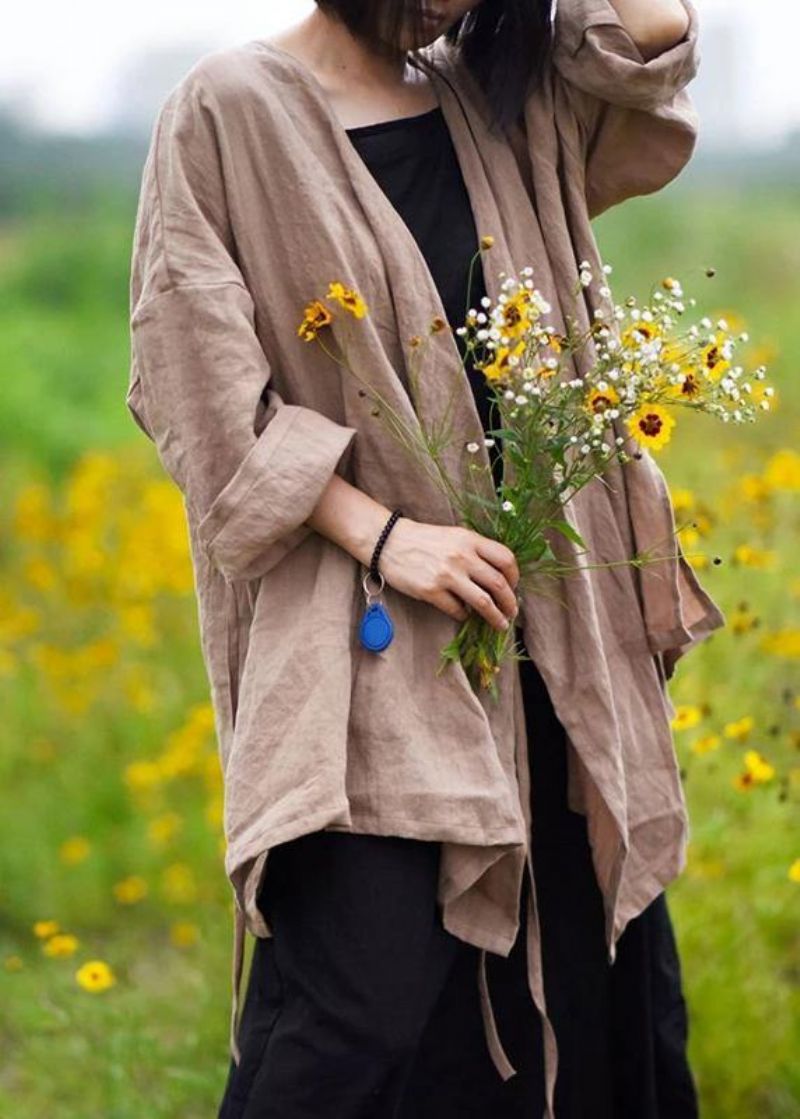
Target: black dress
(622, 1030)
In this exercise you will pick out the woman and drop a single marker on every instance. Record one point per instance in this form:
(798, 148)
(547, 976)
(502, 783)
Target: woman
(411, 825)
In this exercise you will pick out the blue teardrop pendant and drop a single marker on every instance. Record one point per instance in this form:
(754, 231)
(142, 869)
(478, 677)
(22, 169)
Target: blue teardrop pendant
(377, 629)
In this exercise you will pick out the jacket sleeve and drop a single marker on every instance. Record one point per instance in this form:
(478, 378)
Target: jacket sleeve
(637, 124)
(251, 466)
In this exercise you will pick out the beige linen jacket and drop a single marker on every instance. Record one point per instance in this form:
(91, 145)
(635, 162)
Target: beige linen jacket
(252, 200)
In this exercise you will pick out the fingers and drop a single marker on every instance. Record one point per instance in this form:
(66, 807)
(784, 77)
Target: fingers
(495, 582)
(498, 555)
(481, 601)
(451, 604)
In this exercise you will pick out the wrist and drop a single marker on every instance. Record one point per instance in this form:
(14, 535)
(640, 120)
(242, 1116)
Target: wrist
(367, 531)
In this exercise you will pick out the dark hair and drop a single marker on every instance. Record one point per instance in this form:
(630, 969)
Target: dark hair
(505, 44)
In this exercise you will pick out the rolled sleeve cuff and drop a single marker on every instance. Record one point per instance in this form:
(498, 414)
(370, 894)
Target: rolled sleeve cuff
(594, 50)
(259, 515)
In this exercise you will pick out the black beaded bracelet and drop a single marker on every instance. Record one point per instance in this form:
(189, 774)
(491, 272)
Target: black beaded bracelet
(387, 528)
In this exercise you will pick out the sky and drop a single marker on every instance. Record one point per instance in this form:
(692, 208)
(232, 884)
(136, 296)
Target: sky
(59, 62)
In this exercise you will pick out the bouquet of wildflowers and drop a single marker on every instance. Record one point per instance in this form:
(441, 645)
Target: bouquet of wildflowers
(558, 431)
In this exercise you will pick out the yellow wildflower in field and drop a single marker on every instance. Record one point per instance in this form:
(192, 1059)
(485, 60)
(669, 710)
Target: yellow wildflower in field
(39, 574)
(74, 850)
(782, 643)
(95, 976)
(33, 517)
(753, 488)
(747, 556)
(178, 885)
(142, 776)
(794, 871)
(686, 715)
(16, 621)
(164, 828)
(347, 298)
(742, 619)
(130, 890)
(782, 471)
(651, 426)
(705, 743)
(739, 728)
(43, 929)
(184, 934)
(137, 622)
(62, 944)
(757, 771)
(13, 963)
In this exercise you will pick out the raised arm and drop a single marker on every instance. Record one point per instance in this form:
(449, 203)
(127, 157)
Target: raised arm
(622, 67)
(654, 25)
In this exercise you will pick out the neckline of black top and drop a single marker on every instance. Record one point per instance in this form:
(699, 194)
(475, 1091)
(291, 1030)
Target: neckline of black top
(384, 125)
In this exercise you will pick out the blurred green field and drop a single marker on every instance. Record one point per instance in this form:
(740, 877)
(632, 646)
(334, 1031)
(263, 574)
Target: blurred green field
(112, 821)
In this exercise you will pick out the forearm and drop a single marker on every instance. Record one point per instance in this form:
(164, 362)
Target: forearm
(349, 517)
(654, 25)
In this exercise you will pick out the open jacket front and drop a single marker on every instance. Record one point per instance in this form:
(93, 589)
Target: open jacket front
(252, 200)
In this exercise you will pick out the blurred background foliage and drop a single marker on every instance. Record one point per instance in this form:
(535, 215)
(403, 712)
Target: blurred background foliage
(115, 914)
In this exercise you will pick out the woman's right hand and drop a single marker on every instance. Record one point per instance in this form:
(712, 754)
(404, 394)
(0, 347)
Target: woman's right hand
(453, 568)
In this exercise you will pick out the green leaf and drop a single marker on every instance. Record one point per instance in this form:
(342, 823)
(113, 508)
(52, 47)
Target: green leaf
(566, 529)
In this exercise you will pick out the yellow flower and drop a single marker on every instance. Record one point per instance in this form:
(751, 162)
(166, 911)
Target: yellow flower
(487, 241)
(705, 743)
(782, 643)
(94, 976)
(758, 767)
(782, 471)
(43, 929)
(316, 316)
(348, 298)
(688, 389)
(686, 715)
(712, 360)
(163, 829)
(651, 426)
(62, 944)
(646, 332)
(74, 850)
(515, 314)
(500, 367)
(743, 619)
(178, 884)
(183, 934)
(130, 890)
(599, 400)
(794, 871)
(740, 728)
(13, 963)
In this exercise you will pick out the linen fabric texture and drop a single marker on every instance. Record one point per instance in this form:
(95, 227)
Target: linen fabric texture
(253, 199)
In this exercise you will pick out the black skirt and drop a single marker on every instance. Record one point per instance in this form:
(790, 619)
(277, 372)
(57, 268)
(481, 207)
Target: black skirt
(622, 1029)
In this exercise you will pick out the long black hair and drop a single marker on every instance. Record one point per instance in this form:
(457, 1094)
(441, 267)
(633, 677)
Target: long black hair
(505, 44)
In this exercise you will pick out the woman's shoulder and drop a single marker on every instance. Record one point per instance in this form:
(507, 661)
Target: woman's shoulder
(232, 76)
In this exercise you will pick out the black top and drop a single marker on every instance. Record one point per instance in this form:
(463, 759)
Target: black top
(414, 161)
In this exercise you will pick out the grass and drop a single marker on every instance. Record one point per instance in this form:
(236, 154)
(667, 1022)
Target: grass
(107, 733)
